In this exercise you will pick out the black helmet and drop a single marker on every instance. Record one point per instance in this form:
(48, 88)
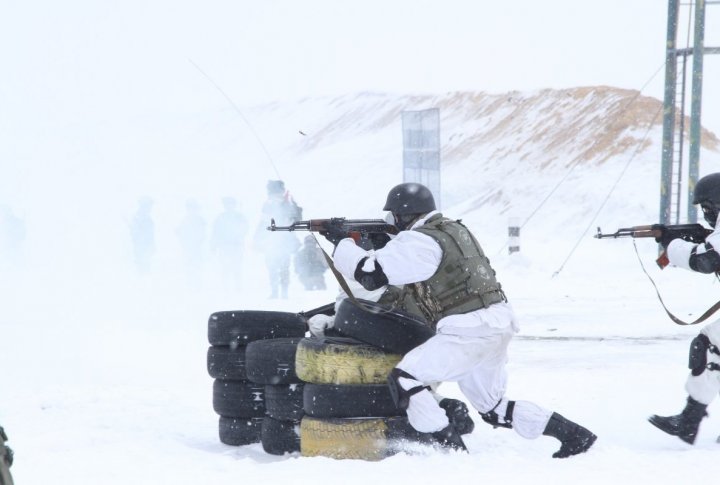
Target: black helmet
(707, 194)
(409, 198)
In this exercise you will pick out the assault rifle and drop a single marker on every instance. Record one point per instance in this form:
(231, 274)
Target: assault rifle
(695, 233)
(367, 233)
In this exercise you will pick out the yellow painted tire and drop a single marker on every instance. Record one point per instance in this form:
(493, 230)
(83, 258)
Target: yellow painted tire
(342, 361)
(358, 439)
(369, 439)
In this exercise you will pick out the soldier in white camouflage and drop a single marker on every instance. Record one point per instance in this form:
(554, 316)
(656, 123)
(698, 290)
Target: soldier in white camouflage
(441, 263)
(703, 383)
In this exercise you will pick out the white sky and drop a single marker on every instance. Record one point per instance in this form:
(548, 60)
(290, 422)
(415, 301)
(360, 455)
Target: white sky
(86, 61)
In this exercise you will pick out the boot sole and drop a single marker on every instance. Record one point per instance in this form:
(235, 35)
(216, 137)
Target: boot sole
(672, 432)
(586, 446)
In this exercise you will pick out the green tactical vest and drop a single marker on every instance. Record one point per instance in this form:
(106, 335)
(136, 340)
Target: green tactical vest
(401, 298)
(464, 281)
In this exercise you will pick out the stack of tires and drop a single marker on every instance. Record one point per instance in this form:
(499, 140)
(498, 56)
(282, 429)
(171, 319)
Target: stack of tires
(349, 412)
(240, 402)
(271, 363)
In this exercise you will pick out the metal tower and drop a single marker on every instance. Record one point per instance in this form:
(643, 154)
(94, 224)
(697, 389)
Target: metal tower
(672, 171)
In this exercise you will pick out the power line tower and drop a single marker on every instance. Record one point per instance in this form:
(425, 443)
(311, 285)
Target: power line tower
(673, 168)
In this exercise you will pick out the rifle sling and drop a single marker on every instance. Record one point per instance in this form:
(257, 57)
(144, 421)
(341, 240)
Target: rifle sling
(338, 276)
(675, 319)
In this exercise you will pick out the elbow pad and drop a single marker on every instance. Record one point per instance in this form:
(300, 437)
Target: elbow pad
(707, 262)
(372, 280)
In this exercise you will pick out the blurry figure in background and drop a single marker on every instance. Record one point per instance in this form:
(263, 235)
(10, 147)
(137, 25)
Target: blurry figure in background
(142, 232)
(310, 265)
(191, 234)
(6, 460)
(12, 238)
(228, 243)
(278, 247)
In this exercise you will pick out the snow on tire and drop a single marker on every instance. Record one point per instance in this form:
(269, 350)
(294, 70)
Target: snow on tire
(272, 361)
(241, 327)
(349, 401)
(369, 439)
(280, 437)
(285, 402)
(239, 431)
(238, 399)
(226, 362)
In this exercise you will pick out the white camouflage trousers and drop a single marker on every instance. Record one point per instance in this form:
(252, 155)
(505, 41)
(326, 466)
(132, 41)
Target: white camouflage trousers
(477, 363)
(705, 387)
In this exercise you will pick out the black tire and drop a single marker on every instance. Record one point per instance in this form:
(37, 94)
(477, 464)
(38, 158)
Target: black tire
(238, 399)
(341, 360)
(284, 403)
(240, 431)
(272, 361)
(244, 326)
(391, 330)
(349, 401)
(225, 362)
(359, 438)
(280, 437)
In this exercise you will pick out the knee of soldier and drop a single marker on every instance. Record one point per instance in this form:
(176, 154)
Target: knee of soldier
(500, 421)
(401, 392)
(698, 355)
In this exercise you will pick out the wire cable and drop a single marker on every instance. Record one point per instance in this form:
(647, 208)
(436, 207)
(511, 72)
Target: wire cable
(232, 103)
(577, 161)
(612, 189)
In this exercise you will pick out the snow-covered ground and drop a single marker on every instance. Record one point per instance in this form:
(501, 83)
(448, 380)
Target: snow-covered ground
(104, 378)
(103, 372)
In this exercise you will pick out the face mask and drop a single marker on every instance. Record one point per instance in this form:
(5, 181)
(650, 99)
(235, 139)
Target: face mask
(710, 213)
(404, 221)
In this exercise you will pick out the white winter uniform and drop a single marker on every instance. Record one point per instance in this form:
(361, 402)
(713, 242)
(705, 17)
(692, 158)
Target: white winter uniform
(470, 348)
(705, 387)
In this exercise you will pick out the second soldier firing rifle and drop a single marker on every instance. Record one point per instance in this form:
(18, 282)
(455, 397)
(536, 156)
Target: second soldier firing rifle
(367, 233)
(689, 232)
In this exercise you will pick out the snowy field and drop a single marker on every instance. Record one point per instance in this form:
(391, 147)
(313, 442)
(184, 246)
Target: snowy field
(103, 376)
(111, 388)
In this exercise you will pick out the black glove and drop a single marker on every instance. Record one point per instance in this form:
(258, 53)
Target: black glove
(334, 233)
(378, 239)
(664, 237)
(457, 413)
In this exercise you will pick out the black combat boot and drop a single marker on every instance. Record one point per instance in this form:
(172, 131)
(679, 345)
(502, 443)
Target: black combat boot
(573, 438)
(448, 437)
(684, 425)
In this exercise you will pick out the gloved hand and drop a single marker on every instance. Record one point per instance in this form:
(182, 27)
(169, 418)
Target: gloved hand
(334, 233)
(319, 323)
(379, 240)
(457, 413)
(665, 237)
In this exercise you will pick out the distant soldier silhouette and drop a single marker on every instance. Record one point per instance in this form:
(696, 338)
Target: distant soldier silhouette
(228, 242)
(278, 247)
(191, 233)
(310, 265)
(142, 233)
